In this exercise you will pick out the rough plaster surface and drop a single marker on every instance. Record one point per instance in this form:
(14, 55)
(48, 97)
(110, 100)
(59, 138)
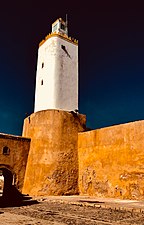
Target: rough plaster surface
(17, 159)
(111, 161)
(52, 167)
(57, 79)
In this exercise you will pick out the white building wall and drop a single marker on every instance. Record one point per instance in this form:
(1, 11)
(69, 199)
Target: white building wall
(59, 75)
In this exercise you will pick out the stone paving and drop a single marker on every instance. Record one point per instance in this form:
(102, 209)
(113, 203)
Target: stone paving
(133, 205)
(75, 210)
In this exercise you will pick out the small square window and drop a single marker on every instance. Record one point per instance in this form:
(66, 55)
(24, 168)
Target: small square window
(6, 150)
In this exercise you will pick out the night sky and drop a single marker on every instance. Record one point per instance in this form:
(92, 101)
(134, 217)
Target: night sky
(111, 59)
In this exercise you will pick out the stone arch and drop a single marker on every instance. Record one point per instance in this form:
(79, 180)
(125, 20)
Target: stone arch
(5, 167)
(10, 194)
(9, 179)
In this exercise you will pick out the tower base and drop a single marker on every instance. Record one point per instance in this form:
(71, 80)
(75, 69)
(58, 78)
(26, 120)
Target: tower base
(52, 167)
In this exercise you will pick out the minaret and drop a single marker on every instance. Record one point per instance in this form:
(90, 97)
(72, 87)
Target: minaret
(57, 71)
(52, 166)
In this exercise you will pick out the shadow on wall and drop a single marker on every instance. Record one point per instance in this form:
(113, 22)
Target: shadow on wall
(9, 194)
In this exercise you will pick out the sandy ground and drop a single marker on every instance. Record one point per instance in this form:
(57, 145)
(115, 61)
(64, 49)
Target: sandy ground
(71, 211)
(14, 219)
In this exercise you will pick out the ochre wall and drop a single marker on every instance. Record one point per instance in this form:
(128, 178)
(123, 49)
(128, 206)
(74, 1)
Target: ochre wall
(111, 161)
(17, 159)
(52, 167)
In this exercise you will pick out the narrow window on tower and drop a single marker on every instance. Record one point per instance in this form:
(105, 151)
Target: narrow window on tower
(41, 82)
(42, 64)
(63, 47)
(65, 50)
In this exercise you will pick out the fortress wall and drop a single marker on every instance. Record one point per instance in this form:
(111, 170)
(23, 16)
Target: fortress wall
(16, 159)
(111, 161)
(52, 167)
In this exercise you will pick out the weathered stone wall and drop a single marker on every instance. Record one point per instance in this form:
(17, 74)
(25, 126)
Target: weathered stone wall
(111, 161)
(52, 167)
(16, 160)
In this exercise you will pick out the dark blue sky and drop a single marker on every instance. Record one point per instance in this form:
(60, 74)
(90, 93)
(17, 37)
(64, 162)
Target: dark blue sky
(111, 59)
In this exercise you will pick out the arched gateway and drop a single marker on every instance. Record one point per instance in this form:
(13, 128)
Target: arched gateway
(13, 159)
(7, 178)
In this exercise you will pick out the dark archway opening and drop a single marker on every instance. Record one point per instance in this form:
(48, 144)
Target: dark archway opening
(9, 193)
(8, 179)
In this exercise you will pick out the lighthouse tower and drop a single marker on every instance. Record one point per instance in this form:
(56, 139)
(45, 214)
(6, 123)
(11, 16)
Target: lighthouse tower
(57, 71)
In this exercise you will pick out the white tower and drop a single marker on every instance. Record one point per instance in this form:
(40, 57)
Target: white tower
(57, 71)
